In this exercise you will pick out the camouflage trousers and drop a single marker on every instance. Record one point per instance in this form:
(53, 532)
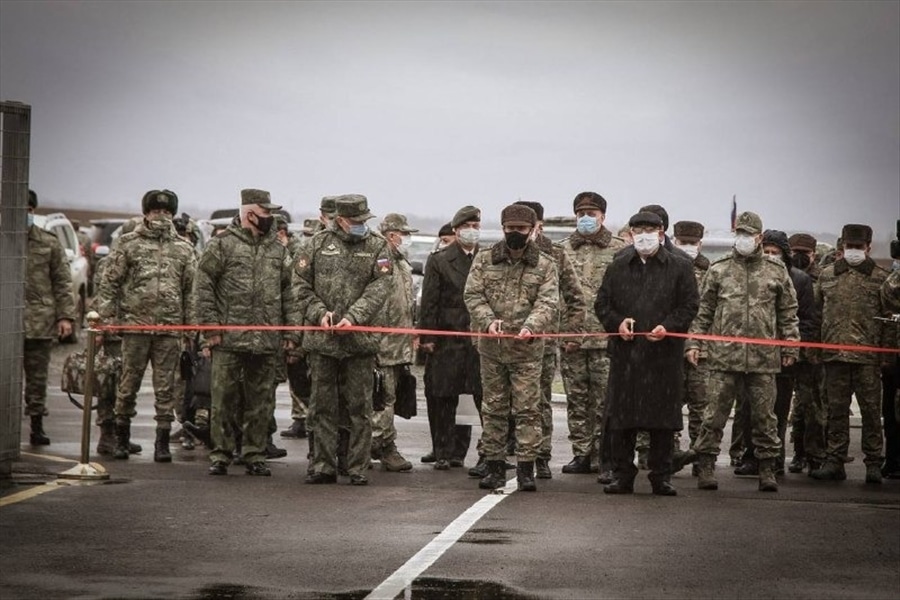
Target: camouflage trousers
(510, 389)
(809, 412)
(843, 380)
(243, 401)
(695, 381)
(36, 364)
(341, 387)
(163, 353)
(106, 405)
(585, 375)
(723, 388)
(383, 430)
(548, 372)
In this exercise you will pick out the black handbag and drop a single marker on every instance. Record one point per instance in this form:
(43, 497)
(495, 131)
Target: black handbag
(378, 391)
(405, 405)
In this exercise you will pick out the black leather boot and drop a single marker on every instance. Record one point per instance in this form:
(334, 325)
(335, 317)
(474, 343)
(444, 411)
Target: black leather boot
(161, 452)
(525, 477)
(579, 464)
(496, 476)
(123, 438)
(106, 445)
(542, 467)
(480, 469)
(38, 437)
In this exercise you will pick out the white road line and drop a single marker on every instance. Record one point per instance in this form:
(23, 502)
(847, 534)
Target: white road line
(403, 577)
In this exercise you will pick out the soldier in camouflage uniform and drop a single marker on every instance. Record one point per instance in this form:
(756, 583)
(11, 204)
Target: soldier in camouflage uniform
(148, 281)
(808, 413)
(745, 294)
(49, 313)
(584, 364)
(342, 278)
(395, 351)
(571, 320)
(244, 278)
(849, 296)
(512, 287)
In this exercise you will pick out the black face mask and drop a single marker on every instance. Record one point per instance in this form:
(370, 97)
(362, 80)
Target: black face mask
(516, 240)
(801, 261)
(264, 224)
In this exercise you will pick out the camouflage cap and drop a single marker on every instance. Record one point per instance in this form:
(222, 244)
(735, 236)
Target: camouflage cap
(518, 215)
(327, 206)
(259, 197)
(537, 207)
(645, 218)
(854, 233)
(395, 222)
(688, 231)
(659, 211)
(748, 222)
(589, 201)
(464, 215)
(352, 206)
(802, 241)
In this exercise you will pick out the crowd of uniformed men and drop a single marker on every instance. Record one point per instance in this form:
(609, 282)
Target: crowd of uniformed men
(631, 310)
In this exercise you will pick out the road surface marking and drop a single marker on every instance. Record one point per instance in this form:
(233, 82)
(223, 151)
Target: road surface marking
(29, 493)
(403, 577)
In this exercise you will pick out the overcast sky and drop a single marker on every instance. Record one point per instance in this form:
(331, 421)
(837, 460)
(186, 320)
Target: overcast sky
(427, 106)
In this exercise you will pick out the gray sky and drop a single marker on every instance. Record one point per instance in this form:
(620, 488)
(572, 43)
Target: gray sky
(425, 107)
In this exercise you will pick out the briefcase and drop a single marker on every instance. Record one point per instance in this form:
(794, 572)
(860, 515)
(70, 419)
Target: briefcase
(405, 405)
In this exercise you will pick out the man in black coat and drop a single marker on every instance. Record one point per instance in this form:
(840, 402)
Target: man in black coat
(452, 365)
(651, 291)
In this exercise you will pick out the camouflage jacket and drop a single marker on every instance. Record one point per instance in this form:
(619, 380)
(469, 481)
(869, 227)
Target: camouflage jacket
(147, 280)
(522, 293)
(393, 348)
(591, 255)
(48, 285)
(351, 278)
(573, 304)
(849, 299)
(752, 297)
(243, 279)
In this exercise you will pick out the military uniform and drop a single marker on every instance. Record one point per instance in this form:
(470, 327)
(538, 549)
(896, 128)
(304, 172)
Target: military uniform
(244, 278)
(585, 371)
(147, 281)
(744, 296)
(890, 377)
(48, 300)
(349, 276)
(849, 297)
(523, 293)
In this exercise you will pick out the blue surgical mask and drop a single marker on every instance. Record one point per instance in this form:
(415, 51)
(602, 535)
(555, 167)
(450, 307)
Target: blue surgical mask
(359, 229)
(587, 225)
(29, 219)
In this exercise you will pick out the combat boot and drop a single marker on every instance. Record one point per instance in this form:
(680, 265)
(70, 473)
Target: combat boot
(480, 469)
(392, 460)
(767, 481)
(706, 480)
(38, 437)
(161, 452)
(832, 470)
(525, 477)
(542, 467)
(106, 445)
(680, 459)
(123, 438)
(496, 476)
(749, 467)
(578, 465)
(873, 474)
(798, 464)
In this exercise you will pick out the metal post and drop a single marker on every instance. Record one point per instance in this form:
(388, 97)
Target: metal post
(87, 470)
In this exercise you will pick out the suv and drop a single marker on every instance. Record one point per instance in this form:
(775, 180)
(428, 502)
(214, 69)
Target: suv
(60, 226)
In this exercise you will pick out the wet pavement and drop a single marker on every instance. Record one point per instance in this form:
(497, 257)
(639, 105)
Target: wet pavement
(172, 531)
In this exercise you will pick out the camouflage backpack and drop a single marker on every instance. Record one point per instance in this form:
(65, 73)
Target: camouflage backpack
(107, 370)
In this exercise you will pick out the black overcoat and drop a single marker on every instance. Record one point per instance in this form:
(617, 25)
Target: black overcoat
(646, 378)
(454, 368)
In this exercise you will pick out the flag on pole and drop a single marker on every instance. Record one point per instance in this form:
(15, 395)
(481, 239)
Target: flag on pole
(733, 212)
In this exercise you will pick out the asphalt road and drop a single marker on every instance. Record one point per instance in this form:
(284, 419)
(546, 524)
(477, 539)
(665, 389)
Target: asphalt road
(172, 531)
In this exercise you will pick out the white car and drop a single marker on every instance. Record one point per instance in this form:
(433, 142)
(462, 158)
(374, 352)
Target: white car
(60, 226)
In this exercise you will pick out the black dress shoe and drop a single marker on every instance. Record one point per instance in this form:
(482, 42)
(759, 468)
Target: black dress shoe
(664, 488)
(619, 487)
(258, 469)
(319, 478)
(359, 480)
(441, 465)
(218, 468)
(456, 462)
(578, 465)
(273, 451)
(428, 458)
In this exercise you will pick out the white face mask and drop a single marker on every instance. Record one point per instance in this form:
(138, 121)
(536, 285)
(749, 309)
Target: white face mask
(468, 236)
(745, 244)
(691, 250)
(646, 243)
(854, 256)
